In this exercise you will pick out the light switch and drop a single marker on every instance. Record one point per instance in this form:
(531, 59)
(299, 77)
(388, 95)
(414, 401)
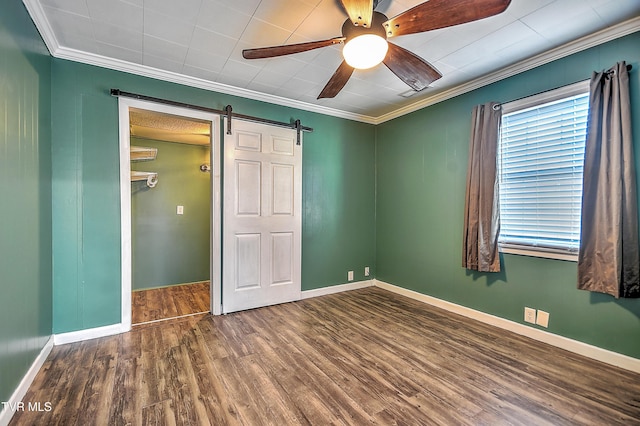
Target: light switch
(180, 210)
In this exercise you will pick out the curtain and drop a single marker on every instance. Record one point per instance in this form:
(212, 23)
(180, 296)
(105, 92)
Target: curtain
(481, 209)
(608, 261)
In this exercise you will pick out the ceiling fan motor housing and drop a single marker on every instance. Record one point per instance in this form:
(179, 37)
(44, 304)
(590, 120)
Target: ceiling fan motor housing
(350, 31)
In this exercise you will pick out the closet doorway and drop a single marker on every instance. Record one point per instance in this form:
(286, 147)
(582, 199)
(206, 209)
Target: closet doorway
(170, 225)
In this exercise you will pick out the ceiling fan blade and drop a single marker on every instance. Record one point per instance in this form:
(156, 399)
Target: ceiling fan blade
(337, 81)
(270, 52)
(435, 14)
(359, 11)
(410, 68)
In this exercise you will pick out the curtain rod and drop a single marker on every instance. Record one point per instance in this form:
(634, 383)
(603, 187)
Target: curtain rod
(497, 106)
(226, 112)
(629, 68)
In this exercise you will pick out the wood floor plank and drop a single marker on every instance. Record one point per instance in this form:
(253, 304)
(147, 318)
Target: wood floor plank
(265, 394)
(245, 409)
(169, 302)
(68, 407)
(98, 391)
(279, 355)
(212, 339)
(325, 361)
(219, 407)
(139, 299)
(156, 308)
(361, 357)
(201, 296)
(179, 299)
(160, 413)
(125, 404)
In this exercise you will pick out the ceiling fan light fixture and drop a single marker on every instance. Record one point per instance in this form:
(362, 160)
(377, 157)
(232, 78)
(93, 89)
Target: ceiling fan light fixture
(365, 51)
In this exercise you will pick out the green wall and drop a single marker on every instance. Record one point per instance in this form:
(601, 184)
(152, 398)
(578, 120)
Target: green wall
(421, 176)
(25, 196)
(338, 189)
(167, 248)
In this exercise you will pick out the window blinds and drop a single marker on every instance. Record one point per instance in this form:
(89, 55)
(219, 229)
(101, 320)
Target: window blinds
(540, 159)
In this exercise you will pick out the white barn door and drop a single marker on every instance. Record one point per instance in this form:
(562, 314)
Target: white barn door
(262, 223)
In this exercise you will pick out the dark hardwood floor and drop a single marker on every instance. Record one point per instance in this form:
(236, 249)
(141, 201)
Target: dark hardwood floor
(169, 302)
(360, 357)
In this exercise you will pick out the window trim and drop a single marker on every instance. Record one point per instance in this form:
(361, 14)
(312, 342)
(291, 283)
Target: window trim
(545, 97)
(527, 102)
(533, 251)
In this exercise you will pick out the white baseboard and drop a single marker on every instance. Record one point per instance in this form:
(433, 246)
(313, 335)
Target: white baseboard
(336, 289)
(6, 413)
(584, 349)
(91, 333)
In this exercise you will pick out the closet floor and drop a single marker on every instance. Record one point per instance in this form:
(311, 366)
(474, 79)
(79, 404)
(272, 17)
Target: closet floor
(169, 302)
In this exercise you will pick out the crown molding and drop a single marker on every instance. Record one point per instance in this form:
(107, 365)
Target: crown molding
(42, 24)
(39, 18)
(173, 77)
(592, 40)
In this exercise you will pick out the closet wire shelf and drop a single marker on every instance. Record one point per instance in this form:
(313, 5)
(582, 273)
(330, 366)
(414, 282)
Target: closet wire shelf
(141, 153)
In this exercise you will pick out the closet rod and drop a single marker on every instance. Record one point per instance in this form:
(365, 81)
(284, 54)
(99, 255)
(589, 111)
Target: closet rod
(225, 112)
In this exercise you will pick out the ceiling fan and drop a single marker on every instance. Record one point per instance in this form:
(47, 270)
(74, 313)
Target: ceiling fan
(365, 35)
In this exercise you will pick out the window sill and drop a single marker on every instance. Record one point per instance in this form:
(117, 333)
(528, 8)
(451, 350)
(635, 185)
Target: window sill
(539, 252)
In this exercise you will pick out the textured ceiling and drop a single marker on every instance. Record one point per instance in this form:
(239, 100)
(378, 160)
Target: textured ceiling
(170, 128)
(199, 42)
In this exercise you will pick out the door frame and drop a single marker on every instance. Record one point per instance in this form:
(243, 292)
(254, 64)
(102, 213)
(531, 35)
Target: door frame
(215, 236)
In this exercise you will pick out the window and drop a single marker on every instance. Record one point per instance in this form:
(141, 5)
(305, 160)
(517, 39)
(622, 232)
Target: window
(540, 163)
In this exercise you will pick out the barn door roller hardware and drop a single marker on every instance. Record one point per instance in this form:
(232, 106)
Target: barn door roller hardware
(228, 112)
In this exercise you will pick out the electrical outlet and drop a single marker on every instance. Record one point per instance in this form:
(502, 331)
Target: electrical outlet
(543, 319)
(180, 210)
(530, 315)
(366, 271)
(350, 275)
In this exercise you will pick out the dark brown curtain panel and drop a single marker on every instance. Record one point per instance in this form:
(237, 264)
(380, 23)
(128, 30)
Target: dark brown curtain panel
(481, 209)
(608, 261)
